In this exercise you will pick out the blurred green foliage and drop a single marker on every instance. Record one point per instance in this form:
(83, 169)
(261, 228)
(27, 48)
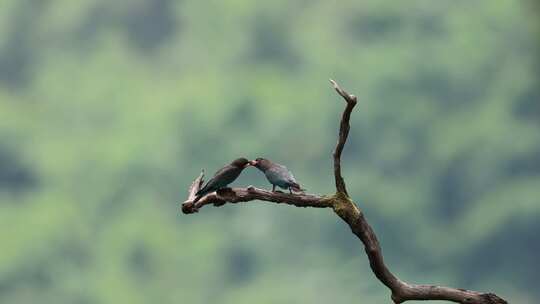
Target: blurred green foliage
(109, 109)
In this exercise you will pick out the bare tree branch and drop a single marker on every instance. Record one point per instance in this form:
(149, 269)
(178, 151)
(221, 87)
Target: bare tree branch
(237, 195)
(348, 211)
(344, 128)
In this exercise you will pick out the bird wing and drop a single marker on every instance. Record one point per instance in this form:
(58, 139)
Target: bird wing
(216, 177)
(221, 178)
(282, 173)
(288, 173)
(221, 171)
(227, 175)
(291, 177)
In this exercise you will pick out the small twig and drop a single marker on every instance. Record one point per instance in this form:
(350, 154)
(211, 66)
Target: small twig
(237, 195)
(188, 206)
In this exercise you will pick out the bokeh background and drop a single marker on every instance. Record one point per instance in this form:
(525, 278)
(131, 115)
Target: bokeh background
(109, 109)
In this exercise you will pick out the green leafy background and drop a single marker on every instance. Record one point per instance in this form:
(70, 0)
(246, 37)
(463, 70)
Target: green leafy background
(109, 109)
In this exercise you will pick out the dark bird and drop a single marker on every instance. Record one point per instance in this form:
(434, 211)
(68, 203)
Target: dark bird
(277, 175)
(223, 177)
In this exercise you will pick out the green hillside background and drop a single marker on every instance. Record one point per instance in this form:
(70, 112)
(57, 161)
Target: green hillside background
(109, 109)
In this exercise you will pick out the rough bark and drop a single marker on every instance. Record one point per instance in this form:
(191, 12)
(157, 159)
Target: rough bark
(348, 211)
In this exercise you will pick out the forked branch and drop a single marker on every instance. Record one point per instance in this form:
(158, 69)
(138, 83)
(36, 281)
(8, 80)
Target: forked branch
(348, 211)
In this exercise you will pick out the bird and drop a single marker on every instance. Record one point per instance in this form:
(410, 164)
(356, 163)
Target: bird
(223, 177)
(277, 175)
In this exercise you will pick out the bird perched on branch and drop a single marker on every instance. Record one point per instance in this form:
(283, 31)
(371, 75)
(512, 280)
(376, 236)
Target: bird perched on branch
(223, 177)
(277, 175)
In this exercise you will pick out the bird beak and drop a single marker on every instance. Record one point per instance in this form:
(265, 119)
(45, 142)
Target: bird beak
(252, 163)
(247, 165)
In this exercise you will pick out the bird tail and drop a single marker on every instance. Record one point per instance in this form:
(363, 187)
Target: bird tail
(296, 188)
(202, 192)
